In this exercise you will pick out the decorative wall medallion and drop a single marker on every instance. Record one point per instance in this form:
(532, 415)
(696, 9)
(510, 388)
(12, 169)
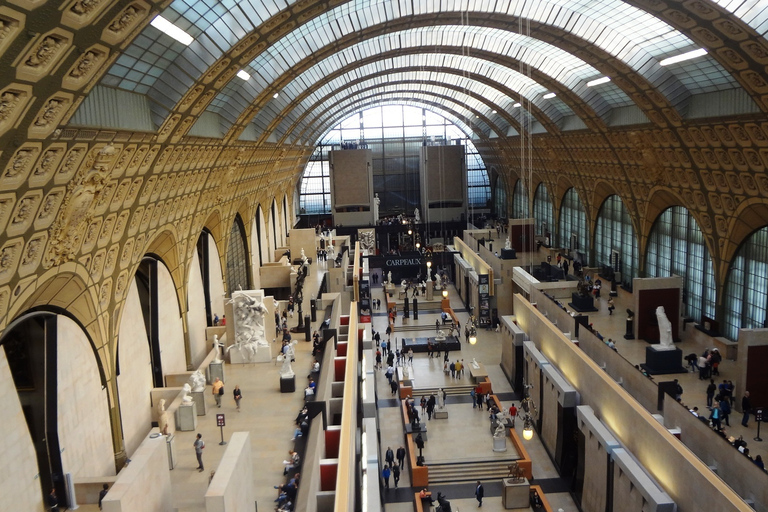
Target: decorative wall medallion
(97, 264)
(47, 164)
(32, 254)
(104, 292)
(106, 229)
(111, 259)
(91, 234)
(120, 193)
(79, 13)
(10, 253)
(70, 164)
(127, 252)
(49, 115)
(133, 226)
(120, 225)
(11, 22)
(121, 285)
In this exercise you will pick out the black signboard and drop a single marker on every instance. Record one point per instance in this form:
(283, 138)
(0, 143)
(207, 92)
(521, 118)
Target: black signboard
(220, 420)
(484, 300)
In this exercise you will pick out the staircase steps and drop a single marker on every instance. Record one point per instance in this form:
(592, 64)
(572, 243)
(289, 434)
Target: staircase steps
(470, 471)
(449, 391)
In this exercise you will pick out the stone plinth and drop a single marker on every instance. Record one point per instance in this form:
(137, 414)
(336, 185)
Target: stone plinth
(216, 370)
(186, 417)
(288, 384)
(582, 303)
(515, 494)
(499, 444)
(422, 428)
(262, 355)
(199, 398)
(660, 361)
(441, 415)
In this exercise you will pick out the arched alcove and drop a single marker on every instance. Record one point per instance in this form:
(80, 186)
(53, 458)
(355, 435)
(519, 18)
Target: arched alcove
(238, 265)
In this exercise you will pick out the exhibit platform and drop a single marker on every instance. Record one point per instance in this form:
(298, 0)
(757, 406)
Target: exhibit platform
(451, 343)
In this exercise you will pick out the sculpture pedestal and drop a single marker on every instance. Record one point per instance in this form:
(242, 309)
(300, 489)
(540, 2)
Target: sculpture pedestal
(186, 417)
(630, 334)
(262, 355)
(216, 370)
(199, 398)
(582, 303)
(288, 384)
(515, 494)
(508, 254)
(440, 414)
(430, 290)
(663, 361)
(499, 444)
(422, 428)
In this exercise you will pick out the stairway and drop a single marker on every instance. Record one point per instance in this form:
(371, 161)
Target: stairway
(462, 390)
(471, 471)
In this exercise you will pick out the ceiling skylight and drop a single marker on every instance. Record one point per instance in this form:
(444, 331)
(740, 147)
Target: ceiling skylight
(683, 57)
(598, 81)
(168, 28)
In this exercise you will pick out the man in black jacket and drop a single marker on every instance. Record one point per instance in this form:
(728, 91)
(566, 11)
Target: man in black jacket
(746, 408)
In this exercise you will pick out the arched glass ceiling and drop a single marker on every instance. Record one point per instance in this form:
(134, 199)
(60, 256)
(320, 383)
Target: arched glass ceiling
(155, 65)
(446, 106)
(754, 13)
(422, 80)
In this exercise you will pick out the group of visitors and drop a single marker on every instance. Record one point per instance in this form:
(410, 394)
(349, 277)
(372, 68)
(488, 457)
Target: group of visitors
(391, 467)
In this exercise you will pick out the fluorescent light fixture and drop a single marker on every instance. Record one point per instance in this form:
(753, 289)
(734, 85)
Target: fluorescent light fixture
(598, 81)
(683, 57)
(516, 105)
(243, 75)
(276, 95)
(549, 96)
(495, 112)
(166, 27)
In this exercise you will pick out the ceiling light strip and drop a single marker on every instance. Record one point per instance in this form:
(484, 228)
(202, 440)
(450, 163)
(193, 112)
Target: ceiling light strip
(168, 28)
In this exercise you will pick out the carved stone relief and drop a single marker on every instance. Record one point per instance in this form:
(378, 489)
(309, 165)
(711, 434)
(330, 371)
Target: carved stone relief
(133, 226)
(97, 264)
(7, 202)
(102, 203)
(156, 214)
(146, 164)
(147, 217)
(49, 115)
(138, 249)
(147, 191)
(120, 225)
(43, 56)
(80, 13)
(32, 254)
(120, 193)
(24, 213)
(125, 255)
(106, 229)
(104, 292)
(18, 168)
(83, 192)
(10, 254)
(11, 22)
(91, 234)
(121, 285)
(122, 161)
(47, 164)
(122, 25)
(110, 261)
(70, 164)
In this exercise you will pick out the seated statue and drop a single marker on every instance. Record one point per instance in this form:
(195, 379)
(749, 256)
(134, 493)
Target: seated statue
(186, 399)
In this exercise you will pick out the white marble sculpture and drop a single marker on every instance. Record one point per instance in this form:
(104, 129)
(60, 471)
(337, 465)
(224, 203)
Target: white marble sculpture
(186, 399)
(376, 204)
(303, 255)
(507, 244)
(475, 364)
(440, 399)
(286, 371)
(162, 417)
(440, 335)
(217, 345)
(403, 284)
(417, 216)
(438, 282)
(249, 311)
(665, 330)
(499, 433)
(197, 381)
(389, 277)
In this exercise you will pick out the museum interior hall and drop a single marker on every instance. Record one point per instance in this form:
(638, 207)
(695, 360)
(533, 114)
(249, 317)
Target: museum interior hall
(371, 255)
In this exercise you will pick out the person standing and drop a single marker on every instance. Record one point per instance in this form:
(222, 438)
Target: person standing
(678, 391)
(430, 406)
(199, 445)
(396, 473)
(437, 325)
(479, 493)
(711, 392)
(385, 475)
(218, 390)
(401, 456)
(725, 410)
(102, 493)
(746, 408)
(513, 413)
(238, 395)
(53, 501)
(453, 370)
(389, 456)
(410, 356)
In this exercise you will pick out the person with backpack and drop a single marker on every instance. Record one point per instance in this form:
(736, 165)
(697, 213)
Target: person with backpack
(218, 391)
(725, 409)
